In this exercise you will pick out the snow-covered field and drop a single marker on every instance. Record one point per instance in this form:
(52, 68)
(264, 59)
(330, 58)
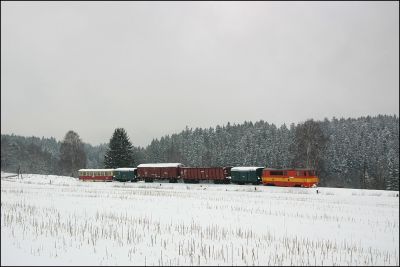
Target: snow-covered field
(54, 220)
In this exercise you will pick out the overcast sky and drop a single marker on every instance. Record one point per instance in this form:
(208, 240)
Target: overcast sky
(155, 67)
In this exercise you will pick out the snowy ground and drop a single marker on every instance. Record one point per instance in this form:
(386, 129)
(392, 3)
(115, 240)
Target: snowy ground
(53, 220)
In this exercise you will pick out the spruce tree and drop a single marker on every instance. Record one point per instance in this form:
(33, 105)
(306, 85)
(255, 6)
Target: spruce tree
(120, 151)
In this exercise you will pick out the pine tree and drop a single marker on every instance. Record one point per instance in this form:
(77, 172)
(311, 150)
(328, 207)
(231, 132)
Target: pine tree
(72, 154)
(120, 151)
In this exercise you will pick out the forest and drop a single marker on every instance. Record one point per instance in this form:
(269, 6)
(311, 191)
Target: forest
(353, 153)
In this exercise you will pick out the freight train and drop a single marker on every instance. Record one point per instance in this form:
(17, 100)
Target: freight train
(174, 172)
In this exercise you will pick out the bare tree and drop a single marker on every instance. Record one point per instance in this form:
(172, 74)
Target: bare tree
(72, 155)
(310, 143)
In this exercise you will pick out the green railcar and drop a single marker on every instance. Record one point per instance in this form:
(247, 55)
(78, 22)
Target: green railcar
(246, 175)
(125, 174)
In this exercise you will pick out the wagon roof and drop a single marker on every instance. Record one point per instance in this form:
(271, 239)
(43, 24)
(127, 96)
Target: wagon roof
(160, 165)
(95, 170)
(250, 168)
(125, 169)
(289, 169)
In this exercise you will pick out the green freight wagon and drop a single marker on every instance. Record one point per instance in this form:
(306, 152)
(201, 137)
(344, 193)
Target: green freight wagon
(125, 174)
(246, 175)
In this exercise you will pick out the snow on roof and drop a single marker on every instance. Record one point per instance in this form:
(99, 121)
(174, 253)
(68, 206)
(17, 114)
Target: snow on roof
(160, 165)
(96, 170)
(289, 169)
(125, 169)
(245, 168)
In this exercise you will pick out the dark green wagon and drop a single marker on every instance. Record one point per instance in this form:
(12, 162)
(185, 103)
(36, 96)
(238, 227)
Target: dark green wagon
(246, 175)
(125, 174)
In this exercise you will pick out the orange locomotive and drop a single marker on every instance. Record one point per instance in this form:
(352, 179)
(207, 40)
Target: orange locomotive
(289, 177)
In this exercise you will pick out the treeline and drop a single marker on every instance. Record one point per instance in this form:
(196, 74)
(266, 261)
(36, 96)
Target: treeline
(42, 155)
(355, 153)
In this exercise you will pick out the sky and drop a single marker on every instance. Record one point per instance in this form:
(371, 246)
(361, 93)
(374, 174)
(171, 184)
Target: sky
(154, 68)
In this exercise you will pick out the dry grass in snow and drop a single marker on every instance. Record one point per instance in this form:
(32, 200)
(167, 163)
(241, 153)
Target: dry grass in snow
(52, 220)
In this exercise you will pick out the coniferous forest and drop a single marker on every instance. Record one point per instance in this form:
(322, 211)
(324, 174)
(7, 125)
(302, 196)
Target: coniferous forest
(353, 153)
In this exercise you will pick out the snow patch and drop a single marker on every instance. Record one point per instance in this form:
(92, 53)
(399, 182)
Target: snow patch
(161, 165)
(245, 168)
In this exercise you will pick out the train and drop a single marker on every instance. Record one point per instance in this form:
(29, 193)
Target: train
(177, 172)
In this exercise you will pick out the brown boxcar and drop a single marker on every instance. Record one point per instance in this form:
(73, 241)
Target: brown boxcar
(196, 174)
(159, 171)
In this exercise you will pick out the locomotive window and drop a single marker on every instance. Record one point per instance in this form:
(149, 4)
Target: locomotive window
(276, 172)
